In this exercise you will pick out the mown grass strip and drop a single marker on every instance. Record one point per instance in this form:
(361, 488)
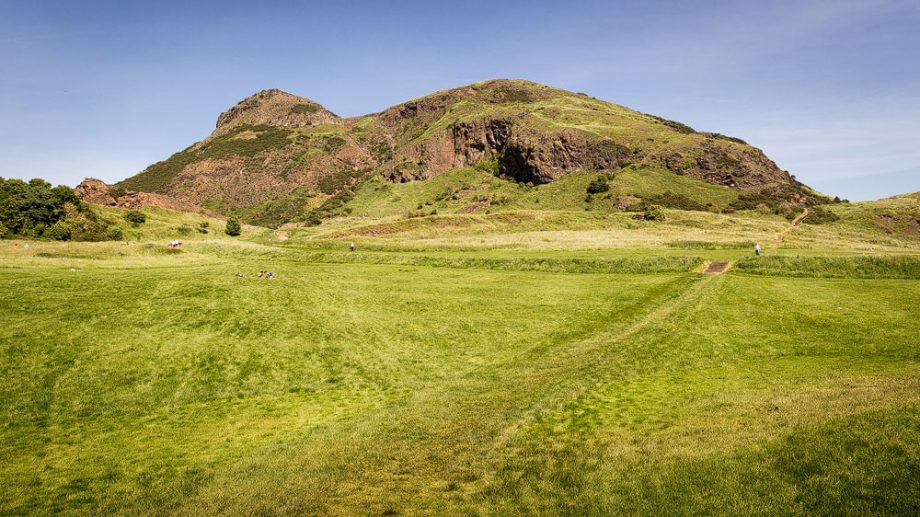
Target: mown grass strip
(552, 265)
(905, 267)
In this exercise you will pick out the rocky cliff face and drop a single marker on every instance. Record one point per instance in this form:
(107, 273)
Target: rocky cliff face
(274, 155)
(96, 191)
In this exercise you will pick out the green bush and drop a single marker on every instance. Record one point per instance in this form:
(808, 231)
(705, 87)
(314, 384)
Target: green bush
(820, 215)
(233, 228)
(184, 229)
(653, 213)
(114, 234)
(135, 217)
(117, 191)
(598, 185)
(59, 231)
(489, 165)
(203, 227)
(314, 219)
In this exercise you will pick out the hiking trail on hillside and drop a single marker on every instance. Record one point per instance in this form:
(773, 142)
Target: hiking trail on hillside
(781, 235)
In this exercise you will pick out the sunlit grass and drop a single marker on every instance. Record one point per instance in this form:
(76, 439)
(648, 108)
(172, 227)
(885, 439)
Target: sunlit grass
(508, 363)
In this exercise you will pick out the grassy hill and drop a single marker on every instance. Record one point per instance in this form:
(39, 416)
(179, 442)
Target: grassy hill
(277, 158)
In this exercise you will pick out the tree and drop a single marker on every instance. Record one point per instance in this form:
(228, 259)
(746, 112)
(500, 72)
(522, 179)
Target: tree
(29, 208)
(233, 227)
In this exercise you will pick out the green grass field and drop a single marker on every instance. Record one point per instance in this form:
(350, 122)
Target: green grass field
(518, 362)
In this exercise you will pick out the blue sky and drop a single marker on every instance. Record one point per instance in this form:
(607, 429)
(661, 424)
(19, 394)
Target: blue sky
(829, 89)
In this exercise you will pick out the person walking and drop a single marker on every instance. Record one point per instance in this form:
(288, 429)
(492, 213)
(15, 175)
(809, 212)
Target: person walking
(757, 250)
(351, 246)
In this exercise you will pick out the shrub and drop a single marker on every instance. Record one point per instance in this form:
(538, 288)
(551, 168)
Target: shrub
(203, 227)
(314, 219)
(59, 231)
(114, 234)
(135, 217)
(598, 185)
(653, 213)
(116, 192)
(489, 165)
(233, 228)
(184, 229)
(820, 215)
(4, 231)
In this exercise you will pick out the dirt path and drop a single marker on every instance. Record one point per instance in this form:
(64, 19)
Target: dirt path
(798, 220)
(781, 235)
(715, 268)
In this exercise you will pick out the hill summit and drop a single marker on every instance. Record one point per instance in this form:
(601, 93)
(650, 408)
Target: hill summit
(276, 157)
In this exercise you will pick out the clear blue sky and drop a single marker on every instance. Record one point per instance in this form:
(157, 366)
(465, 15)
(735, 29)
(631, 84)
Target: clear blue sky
(829, 89)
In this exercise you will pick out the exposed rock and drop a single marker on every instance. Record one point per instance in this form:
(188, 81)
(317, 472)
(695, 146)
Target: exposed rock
(97, 192)
(92, 190)
(521, 153)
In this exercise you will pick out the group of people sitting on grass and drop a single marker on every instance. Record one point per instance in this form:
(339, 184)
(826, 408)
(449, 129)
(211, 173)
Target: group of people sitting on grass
(174, 244)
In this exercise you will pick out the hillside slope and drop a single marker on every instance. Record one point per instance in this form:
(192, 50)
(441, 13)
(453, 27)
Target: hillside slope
(276, 157)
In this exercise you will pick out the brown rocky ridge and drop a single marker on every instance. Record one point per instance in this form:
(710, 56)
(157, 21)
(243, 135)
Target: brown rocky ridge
(274, 156)
(92, 190)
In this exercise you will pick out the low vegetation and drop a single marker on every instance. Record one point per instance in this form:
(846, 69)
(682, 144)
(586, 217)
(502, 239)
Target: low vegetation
(489, 347)
(36, 210)
(906, 266)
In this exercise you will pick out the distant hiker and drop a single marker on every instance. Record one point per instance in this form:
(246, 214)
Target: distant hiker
(261, 274)
(351, 246)
(240, 275)
(757, 249)
(270, 275)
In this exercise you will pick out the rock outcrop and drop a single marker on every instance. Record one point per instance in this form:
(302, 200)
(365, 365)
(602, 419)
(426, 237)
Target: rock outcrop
(92, 190)
(97, 192)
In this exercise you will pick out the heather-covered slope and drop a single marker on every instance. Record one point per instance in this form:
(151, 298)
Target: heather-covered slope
(275, 157)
